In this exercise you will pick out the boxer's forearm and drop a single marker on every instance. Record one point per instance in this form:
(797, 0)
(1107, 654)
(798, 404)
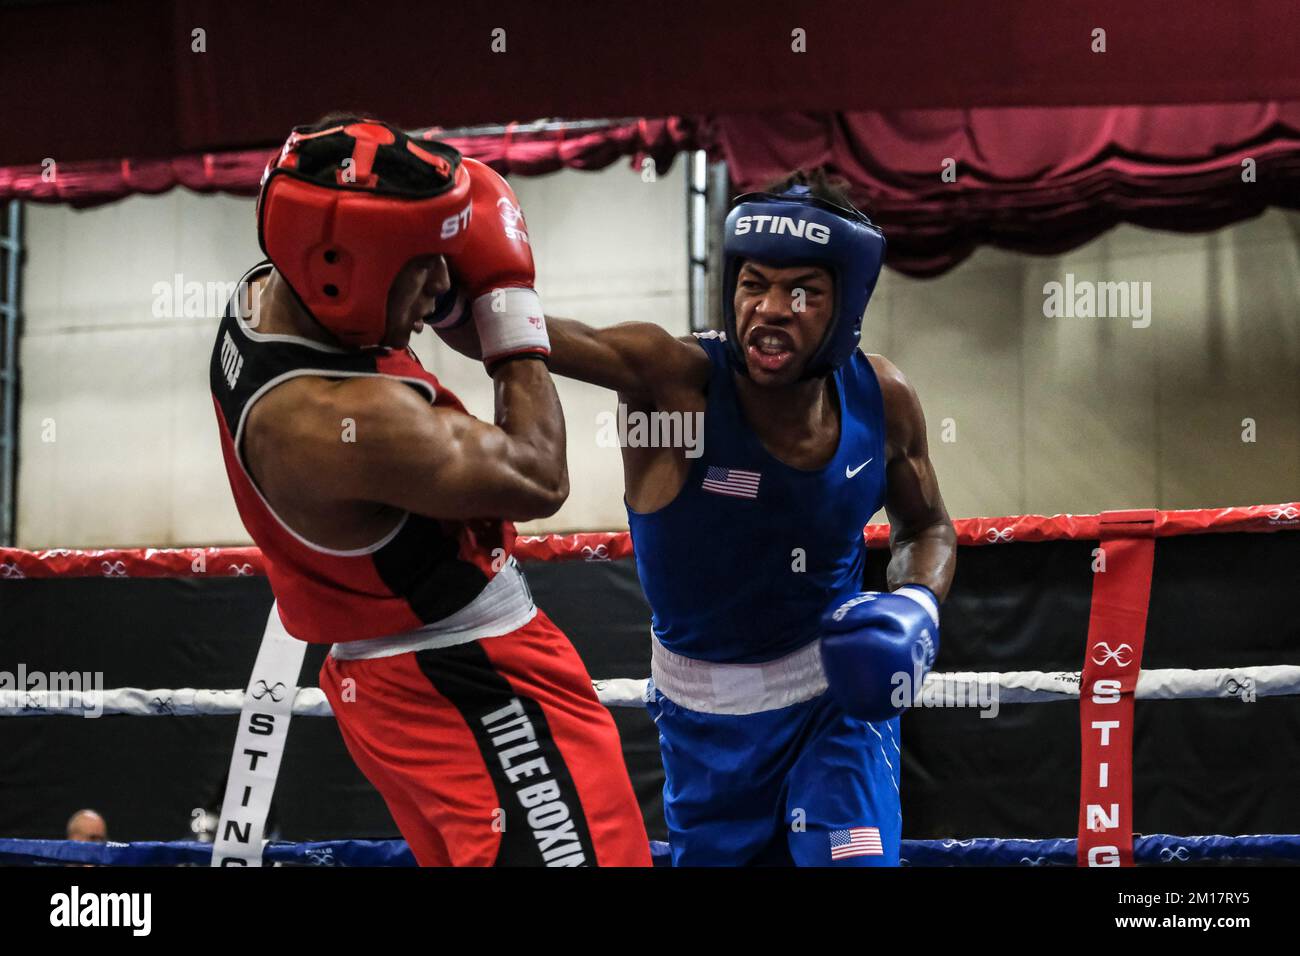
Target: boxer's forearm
(590, 355)
(528, 411)
(635, 359)
(928, 557)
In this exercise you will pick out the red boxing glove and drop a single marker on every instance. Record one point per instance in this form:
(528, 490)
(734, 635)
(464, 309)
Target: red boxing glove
(495, 270)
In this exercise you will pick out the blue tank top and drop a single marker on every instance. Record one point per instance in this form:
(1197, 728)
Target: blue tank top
(739, 567)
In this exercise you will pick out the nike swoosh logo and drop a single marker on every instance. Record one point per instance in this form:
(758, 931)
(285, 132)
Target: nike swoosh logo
(850, 472)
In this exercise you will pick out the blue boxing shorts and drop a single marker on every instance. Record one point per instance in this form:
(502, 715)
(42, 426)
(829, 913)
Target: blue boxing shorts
(801, 783)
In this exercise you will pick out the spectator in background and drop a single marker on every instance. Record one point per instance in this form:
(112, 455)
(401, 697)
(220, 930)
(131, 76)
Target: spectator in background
(87, 826)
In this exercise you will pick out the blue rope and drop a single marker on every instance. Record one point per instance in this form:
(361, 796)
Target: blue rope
(1155, 848)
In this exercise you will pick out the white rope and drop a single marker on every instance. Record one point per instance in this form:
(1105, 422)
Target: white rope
(189, 702)
(1033, 687)
(621, 691)
(1012, 687)
(139, 702)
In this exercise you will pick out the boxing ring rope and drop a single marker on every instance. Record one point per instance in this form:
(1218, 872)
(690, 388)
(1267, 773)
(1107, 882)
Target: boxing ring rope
(1156, 848)
(1012, 687)
(16, 563)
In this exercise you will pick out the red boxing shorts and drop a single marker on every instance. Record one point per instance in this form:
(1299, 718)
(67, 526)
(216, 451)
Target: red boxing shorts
(492, 753)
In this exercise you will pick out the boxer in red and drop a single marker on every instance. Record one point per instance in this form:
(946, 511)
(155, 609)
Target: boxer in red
(383, 509)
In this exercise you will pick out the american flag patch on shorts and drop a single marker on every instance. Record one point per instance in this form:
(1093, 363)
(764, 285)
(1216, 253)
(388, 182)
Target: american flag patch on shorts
(856, 841)
(731, 481)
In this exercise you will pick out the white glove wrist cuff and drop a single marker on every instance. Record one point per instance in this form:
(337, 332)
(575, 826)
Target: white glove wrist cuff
(510, 321)
(922, 597)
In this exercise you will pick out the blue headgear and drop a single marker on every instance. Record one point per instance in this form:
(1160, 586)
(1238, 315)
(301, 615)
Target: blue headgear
(796, 228)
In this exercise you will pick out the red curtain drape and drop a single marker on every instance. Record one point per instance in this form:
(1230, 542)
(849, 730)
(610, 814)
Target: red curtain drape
(1029, 180)
(527, 153)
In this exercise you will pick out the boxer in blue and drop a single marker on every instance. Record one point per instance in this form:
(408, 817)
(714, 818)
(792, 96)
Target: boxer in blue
(776, 683)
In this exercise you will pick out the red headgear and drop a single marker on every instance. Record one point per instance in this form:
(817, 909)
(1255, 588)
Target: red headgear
(343, 209)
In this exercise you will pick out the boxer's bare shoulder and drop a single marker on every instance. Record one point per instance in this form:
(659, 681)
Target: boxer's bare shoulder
(904, 417)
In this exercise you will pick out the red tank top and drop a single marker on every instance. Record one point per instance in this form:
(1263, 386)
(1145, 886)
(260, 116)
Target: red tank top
(424, 570)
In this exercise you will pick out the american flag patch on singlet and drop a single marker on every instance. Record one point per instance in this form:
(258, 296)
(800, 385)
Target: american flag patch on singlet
(856, 841)
(731, 481)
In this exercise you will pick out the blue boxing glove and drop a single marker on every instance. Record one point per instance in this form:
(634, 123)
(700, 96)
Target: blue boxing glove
(877, 648)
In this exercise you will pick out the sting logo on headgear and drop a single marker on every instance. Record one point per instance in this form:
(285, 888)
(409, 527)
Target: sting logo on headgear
(796, 228)
(343, 209)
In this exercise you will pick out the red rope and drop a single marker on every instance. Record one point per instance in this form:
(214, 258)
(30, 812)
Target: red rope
(613, 545)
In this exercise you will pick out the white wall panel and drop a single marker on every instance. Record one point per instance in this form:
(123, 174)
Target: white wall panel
(1050, 414)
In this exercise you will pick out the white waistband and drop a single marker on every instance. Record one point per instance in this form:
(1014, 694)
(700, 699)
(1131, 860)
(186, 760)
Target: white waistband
(503, 606)
(738, 688)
